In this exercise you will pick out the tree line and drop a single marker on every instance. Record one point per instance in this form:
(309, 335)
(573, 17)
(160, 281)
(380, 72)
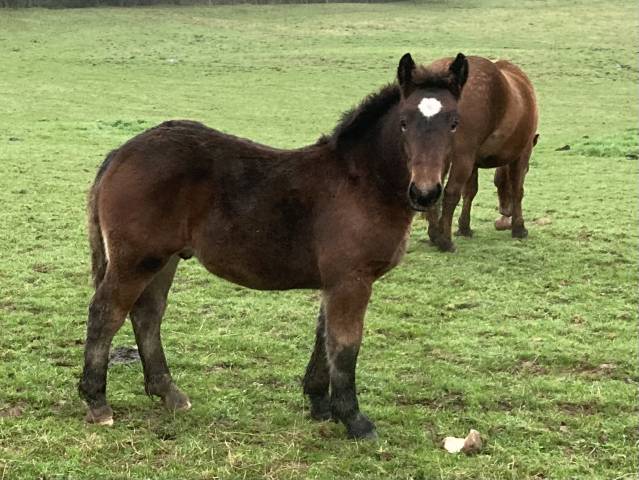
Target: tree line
(136, 3)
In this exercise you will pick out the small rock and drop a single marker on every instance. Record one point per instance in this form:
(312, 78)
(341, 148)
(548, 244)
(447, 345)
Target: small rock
(473, 443)
(541, 221)
(453, 444)
(470, 445)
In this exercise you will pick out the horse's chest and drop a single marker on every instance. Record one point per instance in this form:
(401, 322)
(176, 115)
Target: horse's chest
(387, 250)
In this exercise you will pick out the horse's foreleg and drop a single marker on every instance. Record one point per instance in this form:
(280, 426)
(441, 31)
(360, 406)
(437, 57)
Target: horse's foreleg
(146, 317)
(470, 190)
(432, 217)
(109, 307)
(460, 172)
(517, 173)
(317, 379)
(345, 308)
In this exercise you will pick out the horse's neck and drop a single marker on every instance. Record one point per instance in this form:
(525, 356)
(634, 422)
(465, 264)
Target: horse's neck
(386, 159)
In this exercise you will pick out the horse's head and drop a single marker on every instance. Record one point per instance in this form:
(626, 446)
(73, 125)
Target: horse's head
(427, 123)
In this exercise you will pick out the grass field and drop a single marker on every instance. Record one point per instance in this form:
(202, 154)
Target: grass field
(533, 343)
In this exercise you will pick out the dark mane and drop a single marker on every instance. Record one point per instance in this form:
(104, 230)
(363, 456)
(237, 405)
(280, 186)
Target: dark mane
(356, 121)
(359, 119)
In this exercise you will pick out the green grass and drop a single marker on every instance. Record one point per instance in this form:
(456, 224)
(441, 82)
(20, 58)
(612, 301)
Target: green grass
(533, 343)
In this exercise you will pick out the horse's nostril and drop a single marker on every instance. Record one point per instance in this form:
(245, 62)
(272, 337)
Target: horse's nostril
(413, 192)
(438, 189)
(423, 198)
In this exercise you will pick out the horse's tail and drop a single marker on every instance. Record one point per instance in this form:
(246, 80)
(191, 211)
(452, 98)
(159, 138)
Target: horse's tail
(96, 240)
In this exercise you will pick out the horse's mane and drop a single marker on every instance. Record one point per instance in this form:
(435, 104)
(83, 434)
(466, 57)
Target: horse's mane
(358, 120)
(354, 122)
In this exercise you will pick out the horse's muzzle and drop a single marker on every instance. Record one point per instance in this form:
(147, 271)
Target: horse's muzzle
(422, 199)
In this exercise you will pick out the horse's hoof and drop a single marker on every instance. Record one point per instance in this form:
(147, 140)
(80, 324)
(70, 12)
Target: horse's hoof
(446, 246)
(503, 223)
(100, 416)
(520, 232)
(464, 232)
(321, 415)
(361, 428)
(434, 235)
(176, 401)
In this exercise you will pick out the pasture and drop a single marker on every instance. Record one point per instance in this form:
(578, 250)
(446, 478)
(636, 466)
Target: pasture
(533, 343)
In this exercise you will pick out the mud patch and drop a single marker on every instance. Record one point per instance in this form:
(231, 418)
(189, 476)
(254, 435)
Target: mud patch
(12, 411)
(446, 401)
(123, 356)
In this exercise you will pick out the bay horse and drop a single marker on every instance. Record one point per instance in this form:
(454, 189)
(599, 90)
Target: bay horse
(332, 216)
(498, 119)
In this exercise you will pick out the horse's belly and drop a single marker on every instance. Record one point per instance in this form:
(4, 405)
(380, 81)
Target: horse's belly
(491, 161)
(260, 265)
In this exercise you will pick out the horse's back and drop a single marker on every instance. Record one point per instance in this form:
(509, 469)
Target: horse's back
(244, 209)
(509, 108)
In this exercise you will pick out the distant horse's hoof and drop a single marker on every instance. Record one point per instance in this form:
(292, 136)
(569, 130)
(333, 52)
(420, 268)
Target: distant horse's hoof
(464, 232)
(361, 428)
(446, 245)
(503, 223)
(100, 416)
(176, 401)
(519, 232)
(434, 235)
(320, 407)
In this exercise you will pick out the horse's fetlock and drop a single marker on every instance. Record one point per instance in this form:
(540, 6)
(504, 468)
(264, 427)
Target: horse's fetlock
(519, 231)
(158, 385)
(320, 407)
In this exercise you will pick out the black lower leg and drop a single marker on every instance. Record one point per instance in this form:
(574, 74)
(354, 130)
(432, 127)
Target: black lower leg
(344, 404)
(317, 379)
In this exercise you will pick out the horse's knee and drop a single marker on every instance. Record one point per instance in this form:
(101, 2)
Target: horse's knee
(500, 178)
(148, 310)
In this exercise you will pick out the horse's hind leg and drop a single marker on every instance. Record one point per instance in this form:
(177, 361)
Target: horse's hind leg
(502, 182)
(345, 308)
(469, 192)
(146, 317)
(317, 379)
(109, 307)
(517, 173)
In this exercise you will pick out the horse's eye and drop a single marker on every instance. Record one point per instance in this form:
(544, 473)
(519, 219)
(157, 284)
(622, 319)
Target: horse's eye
(402, 125)
(453, 126)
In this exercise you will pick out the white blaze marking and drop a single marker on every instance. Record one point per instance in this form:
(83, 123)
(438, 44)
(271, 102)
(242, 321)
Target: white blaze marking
(429, 107)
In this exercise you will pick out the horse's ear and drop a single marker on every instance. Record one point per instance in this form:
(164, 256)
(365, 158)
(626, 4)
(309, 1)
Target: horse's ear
(405, 73)
(459, 70)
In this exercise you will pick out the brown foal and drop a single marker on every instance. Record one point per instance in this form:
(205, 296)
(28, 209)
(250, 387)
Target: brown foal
(333, 216)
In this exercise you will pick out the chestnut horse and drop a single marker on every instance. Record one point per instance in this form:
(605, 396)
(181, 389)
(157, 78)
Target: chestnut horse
(497, 128)
(333, 216)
